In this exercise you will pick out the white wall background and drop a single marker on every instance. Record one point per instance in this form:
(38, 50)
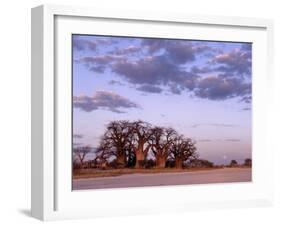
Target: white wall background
(15, 111)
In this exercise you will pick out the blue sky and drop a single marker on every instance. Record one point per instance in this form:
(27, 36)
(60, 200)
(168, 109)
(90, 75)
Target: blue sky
(200, 88)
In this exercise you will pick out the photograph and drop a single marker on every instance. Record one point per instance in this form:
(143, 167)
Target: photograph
(154, 111)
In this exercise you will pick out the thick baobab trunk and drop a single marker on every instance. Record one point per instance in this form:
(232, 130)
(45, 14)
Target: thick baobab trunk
(140, 155)
(178, 163)
(160, 162)
(140, 158)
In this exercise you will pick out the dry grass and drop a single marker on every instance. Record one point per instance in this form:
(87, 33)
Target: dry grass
(94, 173)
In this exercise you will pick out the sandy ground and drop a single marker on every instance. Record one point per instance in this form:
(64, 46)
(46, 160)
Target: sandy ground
(225, 175)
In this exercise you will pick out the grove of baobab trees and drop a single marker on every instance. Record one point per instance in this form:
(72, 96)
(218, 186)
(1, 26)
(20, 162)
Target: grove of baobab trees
(130, 144)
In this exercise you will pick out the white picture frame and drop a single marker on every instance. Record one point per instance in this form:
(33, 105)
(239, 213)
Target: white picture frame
(52, 197)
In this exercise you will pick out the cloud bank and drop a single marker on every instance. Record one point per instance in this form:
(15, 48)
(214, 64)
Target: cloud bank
(155, 65)
(103, 100)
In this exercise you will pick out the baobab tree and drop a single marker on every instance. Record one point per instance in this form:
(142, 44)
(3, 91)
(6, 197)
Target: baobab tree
(142, 133)
(81, 152)
(182, 149)
(116, 141)
(160, 142)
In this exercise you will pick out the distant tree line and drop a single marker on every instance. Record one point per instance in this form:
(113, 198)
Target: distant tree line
(247, 162)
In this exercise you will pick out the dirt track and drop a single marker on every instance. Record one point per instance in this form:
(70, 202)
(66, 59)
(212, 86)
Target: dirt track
(139, 180)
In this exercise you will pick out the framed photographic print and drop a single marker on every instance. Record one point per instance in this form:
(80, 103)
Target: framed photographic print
(129, 108)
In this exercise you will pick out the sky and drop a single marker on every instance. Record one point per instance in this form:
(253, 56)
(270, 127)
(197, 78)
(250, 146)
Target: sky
(202, 89)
